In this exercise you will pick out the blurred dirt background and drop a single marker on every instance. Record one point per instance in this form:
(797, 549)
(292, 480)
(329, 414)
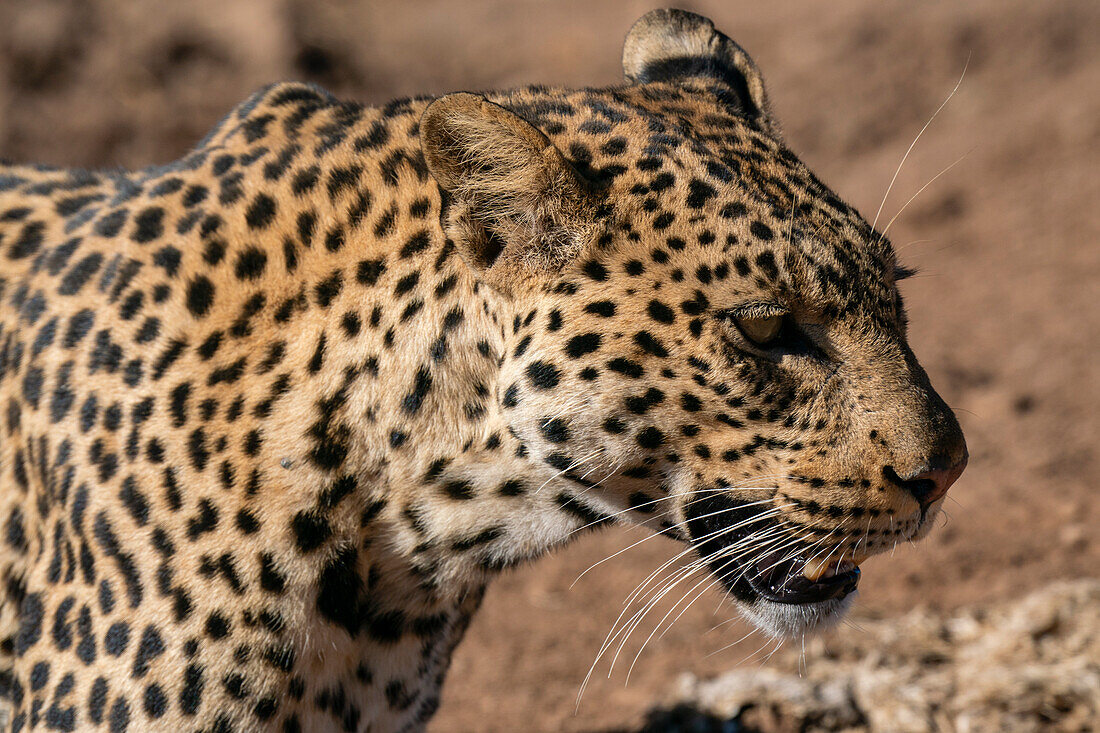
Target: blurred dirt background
(1005, 312)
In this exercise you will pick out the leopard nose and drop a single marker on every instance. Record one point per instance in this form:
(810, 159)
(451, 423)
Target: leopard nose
(928, 483)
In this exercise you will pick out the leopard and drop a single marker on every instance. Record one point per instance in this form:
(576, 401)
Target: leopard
(272, 416)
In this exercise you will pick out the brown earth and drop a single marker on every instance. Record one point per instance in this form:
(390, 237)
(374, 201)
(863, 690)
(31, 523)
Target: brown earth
(1005, 313)
(1019, 666)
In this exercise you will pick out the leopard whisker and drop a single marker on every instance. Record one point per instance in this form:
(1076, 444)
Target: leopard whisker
(683, 574)
(920, 191)
(913, 144)
(631, 546)
(735, 552)
(569, 468)
(669, 582)
(752, 631)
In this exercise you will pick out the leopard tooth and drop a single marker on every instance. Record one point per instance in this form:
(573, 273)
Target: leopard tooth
(814, 569)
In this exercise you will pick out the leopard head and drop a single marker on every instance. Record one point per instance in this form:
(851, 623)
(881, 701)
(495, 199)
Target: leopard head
(705, 335)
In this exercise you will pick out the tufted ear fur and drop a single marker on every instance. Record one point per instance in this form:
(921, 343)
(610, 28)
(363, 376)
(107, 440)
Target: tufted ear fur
(514, 203)
(672, 45)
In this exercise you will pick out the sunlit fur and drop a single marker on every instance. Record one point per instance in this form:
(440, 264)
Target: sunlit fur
(272, 416)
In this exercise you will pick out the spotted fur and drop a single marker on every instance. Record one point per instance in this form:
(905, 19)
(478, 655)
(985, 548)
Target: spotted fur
(272, 416)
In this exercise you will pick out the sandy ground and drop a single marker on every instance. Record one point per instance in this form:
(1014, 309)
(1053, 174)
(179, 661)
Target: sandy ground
(1005, 313)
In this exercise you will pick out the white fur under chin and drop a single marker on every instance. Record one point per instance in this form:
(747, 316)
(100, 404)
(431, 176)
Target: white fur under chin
(791, 621)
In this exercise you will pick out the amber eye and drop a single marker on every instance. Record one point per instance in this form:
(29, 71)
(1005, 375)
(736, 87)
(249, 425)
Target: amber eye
(761, 331)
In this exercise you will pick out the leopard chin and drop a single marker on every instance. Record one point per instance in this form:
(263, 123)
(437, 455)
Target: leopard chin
(795, 620)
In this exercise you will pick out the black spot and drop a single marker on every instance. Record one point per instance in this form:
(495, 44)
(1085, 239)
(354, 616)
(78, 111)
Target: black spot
(200, 296)
(658, 311)
(553, 321)
(117, 638)
(334, 239)
(260, 212)
(640, 405)
(521, 347)
(342, 179)
(690, 402)
(555, 430)
(761, 231)
(206, 521)
(79, 325)
(310, 531)
(265, 708)
(626, 367)
(614, 425)
(304, 180)
(369, 271)
(31, 614)
(271, 579)
(307, 221)
(699, 193)
(150, 647)
(405, 284)
(191, 694)
(338, 590)
(580, 345)
(351, 324)
(97, 700)
(590, 517)
(111, 224)
(649, 344)
(155, 701)
(107, 539)
(250, 263)
(197, 450)
(214, 251)
(595, 270)
(604, 308)
(459, 490)
(217, 626)
(29, 242)
(766, 262)
(543, 375)
(412, 401)
(134, 501)
(650, 438)
(374, 138)
(119, 716)
(735, 210)
(148, 225)
(79, 274)
(318, 359)
(247, 522)
(418, 242)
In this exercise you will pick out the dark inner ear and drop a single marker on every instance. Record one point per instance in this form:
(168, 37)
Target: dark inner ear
(676, 46)
(686, 67)
(479, 243)
(508, 193)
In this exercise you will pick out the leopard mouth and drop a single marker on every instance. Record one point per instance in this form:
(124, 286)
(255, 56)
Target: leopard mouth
(722, 529)
(797, 580)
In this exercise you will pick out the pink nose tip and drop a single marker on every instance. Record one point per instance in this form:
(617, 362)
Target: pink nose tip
(928, 485)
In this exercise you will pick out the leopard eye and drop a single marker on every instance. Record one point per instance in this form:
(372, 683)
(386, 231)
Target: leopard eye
(761, 331)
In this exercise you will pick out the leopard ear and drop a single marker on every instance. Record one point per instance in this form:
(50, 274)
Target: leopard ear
(675, 45)
(512, 199)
